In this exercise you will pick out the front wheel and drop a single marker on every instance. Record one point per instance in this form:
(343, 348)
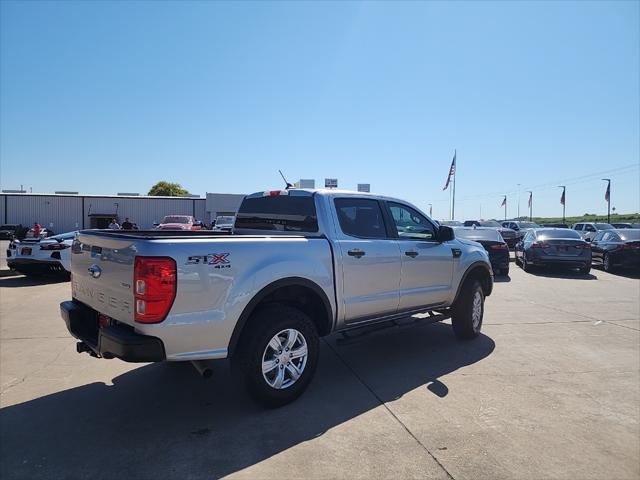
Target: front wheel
(278, 355)
(468, 311)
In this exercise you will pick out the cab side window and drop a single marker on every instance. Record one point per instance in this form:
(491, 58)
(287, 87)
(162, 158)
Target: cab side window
(589, 228)
(410, 224)
(578, 226)
(360, 217)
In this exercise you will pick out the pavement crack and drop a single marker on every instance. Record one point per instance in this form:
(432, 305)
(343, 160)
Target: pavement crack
(383, 403)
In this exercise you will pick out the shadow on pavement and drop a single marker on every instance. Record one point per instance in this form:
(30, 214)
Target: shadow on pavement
(24, 281)
(163, 420)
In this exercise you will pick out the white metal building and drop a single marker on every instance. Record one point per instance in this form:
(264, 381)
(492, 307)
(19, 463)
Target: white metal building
(68, 212)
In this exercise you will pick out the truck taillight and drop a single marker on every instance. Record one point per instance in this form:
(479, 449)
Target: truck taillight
(500, 246)
(154, 288)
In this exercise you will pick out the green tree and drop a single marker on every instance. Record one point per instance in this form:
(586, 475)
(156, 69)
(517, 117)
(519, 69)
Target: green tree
(168, 189)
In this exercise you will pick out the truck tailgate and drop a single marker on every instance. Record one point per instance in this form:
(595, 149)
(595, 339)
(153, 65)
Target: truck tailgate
(102, 274)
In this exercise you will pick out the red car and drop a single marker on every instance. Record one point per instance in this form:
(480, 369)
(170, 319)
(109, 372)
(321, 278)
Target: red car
(179, 222)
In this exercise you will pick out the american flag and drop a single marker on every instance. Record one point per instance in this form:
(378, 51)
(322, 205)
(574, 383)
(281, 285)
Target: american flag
(504, 202)
(562, 198)
(530, 198)
(607, 194)
(452, 171)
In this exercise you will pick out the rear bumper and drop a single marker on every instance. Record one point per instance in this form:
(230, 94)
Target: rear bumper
(30, 266)
(569, 262)
(108, 342)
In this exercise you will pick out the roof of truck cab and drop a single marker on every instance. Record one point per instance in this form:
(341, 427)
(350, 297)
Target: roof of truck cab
(329, 192)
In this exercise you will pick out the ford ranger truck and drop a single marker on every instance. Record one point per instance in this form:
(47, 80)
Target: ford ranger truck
(300, 264)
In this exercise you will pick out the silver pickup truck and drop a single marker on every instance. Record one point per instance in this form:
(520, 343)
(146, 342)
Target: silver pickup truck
(300, 264)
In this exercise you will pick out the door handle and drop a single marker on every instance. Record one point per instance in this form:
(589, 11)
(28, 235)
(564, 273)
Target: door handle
(411, 254)
(356, 252)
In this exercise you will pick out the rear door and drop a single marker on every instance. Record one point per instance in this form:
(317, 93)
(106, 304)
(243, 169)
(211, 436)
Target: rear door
(370, 259)
(427, 264)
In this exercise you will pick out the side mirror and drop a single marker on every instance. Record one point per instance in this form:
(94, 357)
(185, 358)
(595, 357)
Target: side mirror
(445, 233)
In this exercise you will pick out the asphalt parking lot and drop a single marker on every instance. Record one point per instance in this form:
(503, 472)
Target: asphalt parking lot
(550, 390)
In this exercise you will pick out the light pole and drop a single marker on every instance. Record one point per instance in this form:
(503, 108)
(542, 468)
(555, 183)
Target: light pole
(563, 200)
(530, 205)
(607, 197)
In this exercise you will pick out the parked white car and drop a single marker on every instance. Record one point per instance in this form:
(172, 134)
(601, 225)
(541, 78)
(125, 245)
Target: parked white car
(41, 256)
(224, 223)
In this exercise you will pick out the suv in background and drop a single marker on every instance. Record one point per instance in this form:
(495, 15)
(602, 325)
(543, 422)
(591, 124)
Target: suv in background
(509, 235)
(588, 230)
(519, 227)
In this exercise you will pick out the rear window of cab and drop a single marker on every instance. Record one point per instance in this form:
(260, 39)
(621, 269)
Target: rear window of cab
(283, 213)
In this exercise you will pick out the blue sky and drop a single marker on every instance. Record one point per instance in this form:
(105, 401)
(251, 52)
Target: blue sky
(105, 97)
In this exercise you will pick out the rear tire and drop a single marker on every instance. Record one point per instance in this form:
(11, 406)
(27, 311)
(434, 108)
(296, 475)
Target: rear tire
(525, 266)
(262, 349)
(468, 311)
(607, 265)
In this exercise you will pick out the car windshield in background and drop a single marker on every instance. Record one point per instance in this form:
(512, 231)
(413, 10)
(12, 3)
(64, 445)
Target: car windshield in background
(170, 219)
(529, 225)
(224, 221)
(478, 234)
(287, 213)
(604, 226)
(450, 223)
(490, 223)
(558, 233)
(64, 236)
(629, 234)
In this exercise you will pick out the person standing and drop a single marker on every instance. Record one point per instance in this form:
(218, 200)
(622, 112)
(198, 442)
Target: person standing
(127, 225)
(114, 225)
(37, 230)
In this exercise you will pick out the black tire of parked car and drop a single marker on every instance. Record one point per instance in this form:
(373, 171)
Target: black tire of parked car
(607, 265)
(585, 270)
(260, 329)
(525, 266)
(462, 311)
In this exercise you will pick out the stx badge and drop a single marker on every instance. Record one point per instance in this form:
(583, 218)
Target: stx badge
(220, 260)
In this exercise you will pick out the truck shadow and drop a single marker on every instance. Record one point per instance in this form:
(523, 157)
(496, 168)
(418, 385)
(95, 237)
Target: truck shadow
(163, 420)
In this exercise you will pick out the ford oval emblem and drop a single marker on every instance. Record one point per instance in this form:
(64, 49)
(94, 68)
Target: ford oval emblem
(95, 271)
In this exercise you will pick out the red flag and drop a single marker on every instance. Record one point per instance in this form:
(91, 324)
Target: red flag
(504, 202)
(562, 198)
(452, 172)
(607, 194)
(431, 211)
(530, 198)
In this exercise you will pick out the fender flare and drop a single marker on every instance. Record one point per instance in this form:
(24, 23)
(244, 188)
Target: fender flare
(270, 288)
(475, 265)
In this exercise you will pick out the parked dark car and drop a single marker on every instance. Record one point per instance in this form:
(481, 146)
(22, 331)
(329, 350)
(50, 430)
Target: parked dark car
(492, 242)
(510, 236)
(622, 225)
(618, 248)
(554, 225)
(519, 227)
(544, 247)
(11, 231)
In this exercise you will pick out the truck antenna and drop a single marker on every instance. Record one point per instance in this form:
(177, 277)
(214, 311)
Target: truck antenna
(285, 180)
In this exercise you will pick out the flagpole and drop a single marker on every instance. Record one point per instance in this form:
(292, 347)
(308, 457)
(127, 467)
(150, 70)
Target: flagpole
(505, 208)
(608, 199)
(455, 173)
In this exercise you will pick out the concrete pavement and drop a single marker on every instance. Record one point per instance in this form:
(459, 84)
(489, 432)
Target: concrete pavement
(550, 390)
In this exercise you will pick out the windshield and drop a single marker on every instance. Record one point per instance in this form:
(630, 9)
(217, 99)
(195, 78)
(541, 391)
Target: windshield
(628, 235)
(528, 225)
(604, 226)
(450, 223)
(557, 233)
(176, 219)
(224, 220)
(64, 236)
(490, 223)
